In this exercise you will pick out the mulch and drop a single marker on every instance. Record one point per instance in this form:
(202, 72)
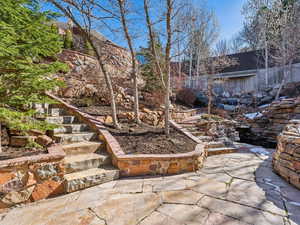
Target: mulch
(146, 140)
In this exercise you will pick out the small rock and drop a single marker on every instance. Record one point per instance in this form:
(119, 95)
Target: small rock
(44, 140)
(36, 132)
(16, 197)
(4, 137)
(145, 110)
(108, 119)
(46, 171)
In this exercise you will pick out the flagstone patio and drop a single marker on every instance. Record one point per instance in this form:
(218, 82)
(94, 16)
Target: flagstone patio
(233, 189)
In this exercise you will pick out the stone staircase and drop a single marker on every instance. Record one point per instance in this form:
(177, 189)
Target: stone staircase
(86, 162)
(214, 147)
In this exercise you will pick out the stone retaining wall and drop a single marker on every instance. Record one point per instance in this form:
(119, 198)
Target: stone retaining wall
(28, 179)
(182, 115)
(142, 164)
(286, 159)
(152, 164)
(265, 129)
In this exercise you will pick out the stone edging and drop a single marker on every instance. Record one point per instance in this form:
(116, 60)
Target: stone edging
(142, 164)
(55, 153)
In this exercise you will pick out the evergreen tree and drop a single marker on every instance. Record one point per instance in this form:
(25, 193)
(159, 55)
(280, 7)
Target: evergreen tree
(68, 40)
(27, 39)
(148, 68)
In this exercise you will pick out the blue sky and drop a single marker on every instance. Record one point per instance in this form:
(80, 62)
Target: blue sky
(229, 16)
(228, 13)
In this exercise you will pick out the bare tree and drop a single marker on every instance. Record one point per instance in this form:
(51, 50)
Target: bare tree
(123, 13)
(256, 28)
(85, 9)
(0, 137)
(203, 33)
(163, 70)
(223, 47)
(212, 66)
(284, 33)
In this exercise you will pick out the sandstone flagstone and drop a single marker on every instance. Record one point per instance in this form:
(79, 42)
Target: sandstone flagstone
(185, 214)
(170, 185)
(240, 190)
(181, 197)
(220, 177)
(129, 186)
(157, 218)
(210, 187)
(199, 198)
(244, 213)
(127, 209)
(218, 219)
(76, 218)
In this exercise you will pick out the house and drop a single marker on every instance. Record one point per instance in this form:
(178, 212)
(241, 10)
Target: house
(249, 75)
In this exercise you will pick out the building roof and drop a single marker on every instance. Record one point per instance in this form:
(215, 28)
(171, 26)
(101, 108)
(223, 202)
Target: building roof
(251, 60)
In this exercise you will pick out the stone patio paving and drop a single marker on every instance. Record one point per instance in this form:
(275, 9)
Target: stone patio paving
(233, 189)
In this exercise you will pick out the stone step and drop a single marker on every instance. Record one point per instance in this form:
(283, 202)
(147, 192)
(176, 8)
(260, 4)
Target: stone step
(76, 137)
(187, 125)
(88, 178)
(192, 129)
(83, 147)
(220, 151)
(76, 163)
(215, 144)
(52, 111)
(61, 119)
(70, 128)
(205, 138)
(197, 133)
(40, 105)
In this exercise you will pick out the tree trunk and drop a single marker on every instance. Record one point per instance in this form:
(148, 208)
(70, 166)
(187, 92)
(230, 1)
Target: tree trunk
(111, 91)
(285, 75)
(133, 60)
(152, 42)
(168, 55)
(87, 35)
(0, 137)
(266, 63)
(209, 93)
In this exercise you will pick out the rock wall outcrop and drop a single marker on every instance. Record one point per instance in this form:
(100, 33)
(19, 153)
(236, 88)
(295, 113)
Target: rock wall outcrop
(265, 128)
(286, 159)
(85, 78)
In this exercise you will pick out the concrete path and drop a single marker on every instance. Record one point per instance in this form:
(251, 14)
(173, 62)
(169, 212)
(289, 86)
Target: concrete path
(232, 189)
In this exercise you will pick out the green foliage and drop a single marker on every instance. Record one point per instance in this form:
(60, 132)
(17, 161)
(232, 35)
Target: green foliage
(148, 69)
(89, 48)
(27, 40)
(31, 144)
(23, 121)
(68, 40)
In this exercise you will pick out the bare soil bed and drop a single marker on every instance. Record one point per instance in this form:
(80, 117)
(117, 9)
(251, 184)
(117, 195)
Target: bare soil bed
(11, 153)
(146, 140)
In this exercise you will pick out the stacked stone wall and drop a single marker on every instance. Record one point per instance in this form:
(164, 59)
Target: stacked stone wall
(265, 129)
(28, 179)
(286, 159)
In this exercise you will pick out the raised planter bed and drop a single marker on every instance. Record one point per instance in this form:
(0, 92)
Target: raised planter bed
(150, 164)
(143, 164)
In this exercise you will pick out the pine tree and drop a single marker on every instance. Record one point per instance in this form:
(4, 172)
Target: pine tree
(27, 39)
(68, 40)
(148, 68)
